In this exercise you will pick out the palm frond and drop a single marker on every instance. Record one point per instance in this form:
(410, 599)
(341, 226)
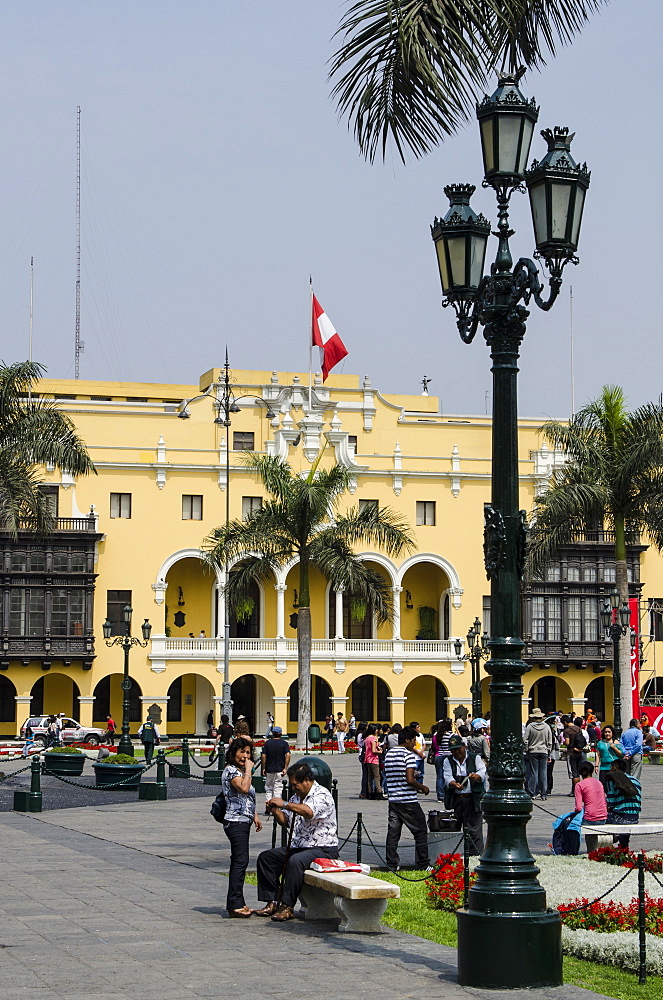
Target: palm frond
(42, 434)
(244, 577)
(347, 572)
(242, 538)
(410, 71)
(23, 506)
(378, 526)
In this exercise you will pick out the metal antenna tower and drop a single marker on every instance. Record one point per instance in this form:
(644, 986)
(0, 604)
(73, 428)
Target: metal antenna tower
(78, 347)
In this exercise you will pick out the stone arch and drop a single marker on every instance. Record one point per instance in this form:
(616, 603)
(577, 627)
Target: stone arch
(55, 692)
(562, 693)
(253, 697)
(108, 698)
(330, 608)
(7, 704)
(427, 701)
(367, 698)
(190, 698)
(437, 560)
(321, 700)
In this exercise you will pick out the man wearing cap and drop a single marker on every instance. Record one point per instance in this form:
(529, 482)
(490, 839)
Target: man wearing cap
(478, 741)
(274, 762)
(464, 777)
(538, 742)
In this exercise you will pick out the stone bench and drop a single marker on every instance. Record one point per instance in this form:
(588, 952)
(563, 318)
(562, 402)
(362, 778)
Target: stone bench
(601, 835)
(357, 900)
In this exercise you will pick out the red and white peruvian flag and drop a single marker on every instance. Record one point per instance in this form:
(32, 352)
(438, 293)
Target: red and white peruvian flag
(324, 336)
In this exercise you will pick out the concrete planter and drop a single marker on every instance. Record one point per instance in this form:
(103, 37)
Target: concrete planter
(65, 763)
(109, 774)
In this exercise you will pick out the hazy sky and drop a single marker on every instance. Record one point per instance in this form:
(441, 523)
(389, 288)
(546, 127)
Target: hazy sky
(216, 177)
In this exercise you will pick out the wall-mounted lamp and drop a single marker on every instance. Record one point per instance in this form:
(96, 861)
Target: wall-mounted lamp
(180, 599)
(408, 600)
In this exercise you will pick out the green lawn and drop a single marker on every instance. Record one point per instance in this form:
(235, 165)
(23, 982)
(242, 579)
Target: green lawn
(412, 914)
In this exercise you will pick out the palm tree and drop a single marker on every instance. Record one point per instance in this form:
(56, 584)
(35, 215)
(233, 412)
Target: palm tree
(33, 432)
(614, 476)
(298, 522)
(411, 70)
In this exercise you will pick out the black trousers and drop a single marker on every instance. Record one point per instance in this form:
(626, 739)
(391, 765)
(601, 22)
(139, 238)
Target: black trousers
(412, 815)
(270, 866)
(149, 751)
(238, 835)
(471, 821)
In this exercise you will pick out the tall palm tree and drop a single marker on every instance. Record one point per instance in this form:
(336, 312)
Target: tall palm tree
(33, 432)
(614, 476)
(299, 521)
(411, 70)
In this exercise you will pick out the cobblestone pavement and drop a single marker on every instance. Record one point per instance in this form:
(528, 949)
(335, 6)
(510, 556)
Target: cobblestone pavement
(83, 916)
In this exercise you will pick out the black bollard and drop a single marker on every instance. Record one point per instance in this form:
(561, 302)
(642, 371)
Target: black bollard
(214, 774)
(359, 826)
(155, 791)
(466, 868)
(30, 801)
(284, 829)
(334, 792)
(642, 972)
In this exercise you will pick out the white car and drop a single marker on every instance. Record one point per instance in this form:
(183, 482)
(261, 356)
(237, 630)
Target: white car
(72, 731)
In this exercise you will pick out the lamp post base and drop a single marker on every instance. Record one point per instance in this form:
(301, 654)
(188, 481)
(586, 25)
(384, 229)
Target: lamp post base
(509, 950)
(125, 746)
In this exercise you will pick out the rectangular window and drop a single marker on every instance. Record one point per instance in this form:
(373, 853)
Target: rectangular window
(116, 600)
(591, 621)
(425, 512)
(37, 560)
(368, 505)
(120, 505)
(26, 611)
(243, 441)
(78, 561)
(485, 615)
(60, 561)
(538, 619)
(656, 619)
(589, 574)
(554, 574)
(609, 574)
(250, 505)
(352, 441)
(192, 507)
(554, 608)
(573, 573)
(52, 494)
(575, 620)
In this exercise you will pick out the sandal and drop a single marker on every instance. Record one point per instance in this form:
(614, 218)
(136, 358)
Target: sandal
(243, 912)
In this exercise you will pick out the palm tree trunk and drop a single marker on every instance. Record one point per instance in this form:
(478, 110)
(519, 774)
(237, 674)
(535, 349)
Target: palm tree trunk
(304, 652)
(621, 577)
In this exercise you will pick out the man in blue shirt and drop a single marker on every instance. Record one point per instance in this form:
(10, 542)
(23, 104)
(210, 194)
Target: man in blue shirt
(632, 742)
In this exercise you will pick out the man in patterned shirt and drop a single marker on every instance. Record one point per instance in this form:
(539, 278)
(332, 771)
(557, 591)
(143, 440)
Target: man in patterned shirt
(311, 810)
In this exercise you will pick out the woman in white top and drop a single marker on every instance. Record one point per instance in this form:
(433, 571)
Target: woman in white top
(240, 798)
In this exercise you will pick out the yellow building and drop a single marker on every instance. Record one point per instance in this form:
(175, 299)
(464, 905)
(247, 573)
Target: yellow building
(132, 535)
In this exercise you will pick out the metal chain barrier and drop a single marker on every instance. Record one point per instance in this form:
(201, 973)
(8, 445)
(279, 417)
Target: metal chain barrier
(204, 767)
(183, 774)
(6, 777)
(347, 839)
(403, 877)
(100, 788)
(599, 898)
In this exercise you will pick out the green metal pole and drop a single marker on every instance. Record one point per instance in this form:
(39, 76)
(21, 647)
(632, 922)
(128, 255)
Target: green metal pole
(125, 745)
(506, 912)
(161, 786)
(360, 822)
(334, 793)
(642, 940)
(184, 769)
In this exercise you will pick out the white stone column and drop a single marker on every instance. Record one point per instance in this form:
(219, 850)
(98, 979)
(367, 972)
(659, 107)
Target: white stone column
(280, 589)
(85, 709)
(396, 625)
(22, 702)
(397, 710)
(579, 706)
(339, 614)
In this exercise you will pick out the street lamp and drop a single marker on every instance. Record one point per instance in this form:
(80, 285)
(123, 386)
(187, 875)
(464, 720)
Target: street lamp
(225, 403)
(126, 641)
(478, 651)
(616, 622)
(506, 913)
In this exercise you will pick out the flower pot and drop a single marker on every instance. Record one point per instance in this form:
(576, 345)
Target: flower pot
(64, 763)
(109, 774)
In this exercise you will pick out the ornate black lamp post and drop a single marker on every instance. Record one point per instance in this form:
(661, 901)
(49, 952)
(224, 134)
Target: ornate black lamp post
(126, 641)
(478, 651)
(226, 404)
(616, 622)
(506, 936)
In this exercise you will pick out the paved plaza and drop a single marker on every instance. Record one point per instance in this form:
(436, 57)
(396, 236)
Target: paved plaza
(126, 899)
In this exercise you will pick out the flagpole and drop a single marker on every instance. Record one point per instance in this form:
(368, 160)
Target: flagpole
(310, 346)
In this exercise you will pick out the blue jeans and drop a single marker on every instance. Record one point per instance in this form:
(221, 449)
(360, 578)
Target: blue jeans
(439, 778)
(537, 773)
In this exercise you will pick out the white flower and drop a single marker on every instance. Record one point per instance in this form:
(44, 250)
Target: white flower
(620, 948)
(566, 878)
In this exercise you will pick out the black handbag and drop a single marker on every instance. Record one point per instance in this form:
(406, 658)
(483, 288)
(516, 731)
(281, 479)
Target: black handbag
(218, 810)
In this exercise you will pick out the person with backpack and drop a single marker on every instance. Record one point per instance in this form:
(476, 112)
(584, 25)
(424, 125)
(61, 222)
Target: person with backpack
(240, 814)
(148, 734)
(575, 743)
(464, 780)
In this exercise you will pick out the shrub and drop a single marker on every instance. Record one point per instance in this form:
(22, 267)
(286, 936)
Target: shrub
(446, 882)
(620, 949)
(119, 758)
(64, 750)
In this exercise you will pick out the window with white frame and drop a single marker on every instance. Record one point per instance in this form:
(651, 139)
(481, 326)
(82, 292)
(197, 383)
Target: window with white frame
(192, 507)
(425, 512)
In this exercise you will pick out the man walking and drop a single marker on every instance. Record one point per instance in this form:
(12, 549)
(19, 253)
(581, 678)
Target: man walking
(341, 730)
(110, 731)
(632, 741)
(464, 776)
(538, 748)
(401, 776)
(274, 761)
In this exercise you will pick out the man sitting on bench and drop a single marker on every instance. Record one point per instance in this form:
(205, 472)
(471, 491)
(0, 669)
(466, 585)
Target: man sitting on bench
(314, 835)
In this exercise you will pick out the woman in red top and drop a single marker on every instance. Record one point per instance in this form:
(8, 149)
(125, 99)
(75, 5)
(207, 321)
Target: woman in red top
(590, 796)
(372, 750)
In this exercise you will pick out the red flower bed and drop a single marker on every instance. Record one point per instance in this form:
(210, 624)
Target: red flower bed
(617, 855)
(446, 888)
(608, 916)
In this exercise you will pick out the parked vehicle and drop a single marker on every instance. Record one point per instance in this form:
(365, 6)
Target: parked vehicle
(72, 731)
